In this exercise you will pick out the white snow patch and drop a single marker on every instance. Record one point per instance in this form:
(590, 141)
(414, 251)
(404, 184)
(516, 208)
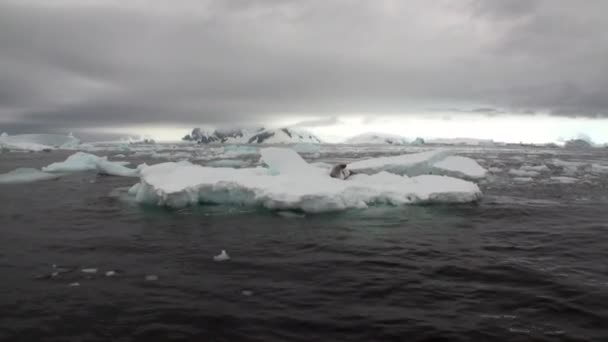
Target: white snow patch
(410, 164)
(25, 175)
(223, 256)
(291, 183)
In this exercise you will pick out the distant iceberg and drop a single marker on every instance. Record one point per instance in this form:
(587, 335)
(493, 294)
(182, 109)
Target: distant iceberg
(290, 183)
(38, 142)
(377, 139)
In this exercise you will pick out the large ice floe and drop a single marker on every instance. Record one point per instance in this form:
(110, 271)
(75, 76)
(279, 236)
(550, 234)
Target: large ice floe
(37, 142)
(289, 182)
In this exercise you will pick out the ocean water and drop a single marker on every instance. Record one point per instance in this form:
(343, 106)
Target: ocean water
(527, 263)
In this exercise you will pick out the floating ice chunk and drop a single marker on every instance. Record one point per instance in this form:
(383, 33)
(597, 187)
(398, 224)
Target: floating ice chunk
(247, 293)
(458, 166)
(223, 256)
(74, 284)
(565, 180)
(25, 175)
(82, 161)
(292, 184)
(536, 168)
(110, 273)
(410, 164)
(523, 179)
(568, 166)
(120, 156)
(523, 173)
(151, 277)
(89, 270)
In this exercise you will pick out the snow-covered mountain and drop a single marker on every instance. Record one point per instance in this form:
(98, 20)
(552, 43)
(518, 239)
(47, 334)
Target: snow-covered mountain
(252, 136)
(376, 138)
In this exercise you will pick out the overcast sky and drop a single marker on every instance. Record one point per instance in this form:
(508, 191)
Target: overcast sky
(69, 64)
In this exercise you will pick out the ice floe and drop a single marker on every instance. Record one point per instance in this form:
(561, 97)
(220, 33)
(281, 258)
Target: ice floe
(25, 175)
(563, 179)
(523, 173)
(290, 183)
(81, 161)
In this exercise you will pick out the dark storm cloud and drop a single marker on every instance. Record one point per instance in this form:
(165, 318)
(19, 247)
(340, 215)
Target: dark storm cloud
(69, 63)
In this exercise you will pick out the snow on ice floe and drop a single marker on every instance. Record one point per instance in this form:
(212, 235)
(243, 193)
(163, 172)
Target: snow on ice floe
(25, 175)
(411, 164)
(461, 167)
(38, 142)
(436, 161)
(81, 161)
(290, 183)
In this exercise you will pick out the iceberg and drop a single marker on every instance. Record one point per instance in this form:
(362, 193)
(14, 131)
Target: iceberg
(81, 161)
(289, 183)
(458, 166)
(564, 180)
(25, 175)
(377, 138)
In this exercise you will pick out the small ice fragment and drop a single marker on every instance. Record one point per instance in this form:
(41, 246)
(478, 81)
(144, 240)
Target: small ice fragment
(89, 270)
(247, 293)
(54, 266)
(110, 273)
(54, 274)
(73, 284)
(223, 256)
(151, 277)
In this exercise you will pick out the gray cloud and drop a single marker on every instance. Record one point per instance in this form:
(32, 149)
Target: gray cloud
(71, 63)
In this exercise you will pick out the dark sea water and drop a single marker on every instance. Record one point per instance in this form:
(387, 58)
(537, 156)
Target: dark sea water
(528, 263)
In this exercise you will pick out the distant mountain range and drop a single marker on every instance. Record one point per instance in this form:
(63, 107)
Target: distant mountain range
(252, 136)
